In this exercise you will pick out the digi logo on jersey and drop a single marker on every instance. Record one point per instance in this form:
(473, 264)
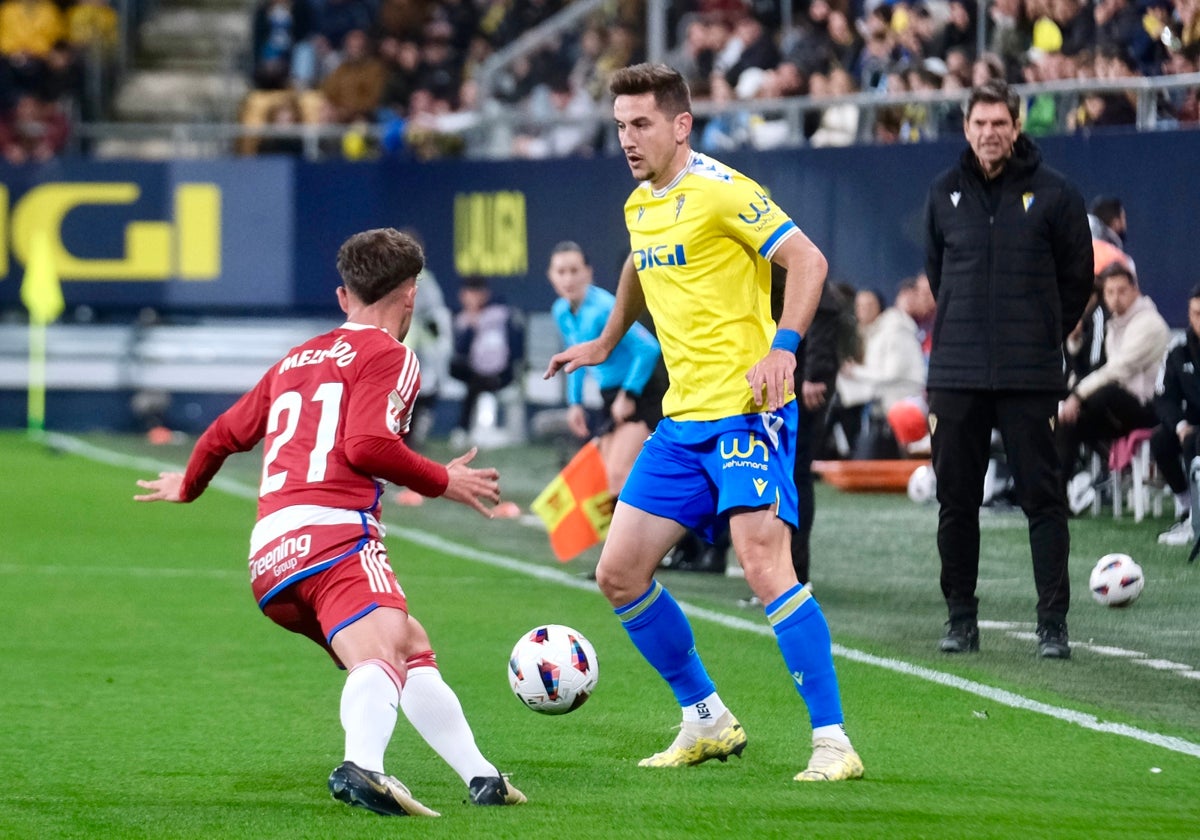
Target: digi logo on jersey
(658, 255)
(738, 451)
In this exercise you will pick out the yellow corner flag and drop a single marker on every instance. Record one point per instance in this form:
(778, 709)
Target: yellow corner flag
(40, 290)
(577, 506)
(42, 295)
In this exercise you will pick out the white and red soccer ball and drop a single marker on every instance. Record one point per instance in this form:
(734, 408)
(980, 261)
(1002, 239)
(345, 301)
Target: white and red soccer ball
(1117, 580)
(553, 669)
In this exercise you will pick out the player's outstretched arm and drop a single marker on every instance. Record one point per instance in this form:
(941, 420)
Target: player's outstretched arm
(165, 488)
(470, 486)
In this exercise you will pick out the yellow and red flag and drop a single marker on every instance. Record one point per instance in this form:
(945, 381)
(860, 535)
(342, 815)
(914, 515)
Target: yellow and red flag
(577, 506)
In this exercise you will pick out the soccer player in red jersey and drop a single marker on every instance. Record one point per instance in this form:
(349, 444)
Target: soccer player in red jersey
(332, 415)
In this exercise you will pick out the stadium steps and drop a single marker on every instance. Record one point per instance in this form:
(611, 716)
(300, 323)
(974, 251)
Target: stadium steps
(189, 67)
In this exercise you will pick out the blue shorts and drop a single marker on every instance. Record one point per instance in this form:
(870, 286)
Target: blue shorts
(696, 471)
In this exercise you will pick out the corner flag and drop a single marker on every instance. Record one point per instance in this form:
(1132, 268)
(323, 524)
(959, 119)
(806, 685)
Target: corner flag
(40, 290)
(42, 295)
(577, 506)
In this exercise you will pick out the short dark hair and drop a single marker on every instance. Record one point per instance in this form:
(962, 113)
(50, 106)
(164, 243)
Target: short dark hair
(995, 91)
(670, 89)
(1195, 292)
(1117, 268)
(1106, 208)
(375, 262)
(567, 246)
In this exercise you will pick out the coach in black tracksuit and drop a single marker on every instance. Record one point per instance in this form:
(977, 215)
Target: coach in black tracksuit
(1009, 259)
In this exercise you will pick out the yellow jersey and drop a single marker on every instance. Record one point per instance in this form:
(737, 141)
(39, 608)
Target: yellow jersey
(702, 247)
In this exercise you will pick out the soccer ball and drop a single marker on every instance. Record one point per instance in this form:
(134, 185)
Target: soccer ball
(1116, 581)
(922, 484)
(553, 669)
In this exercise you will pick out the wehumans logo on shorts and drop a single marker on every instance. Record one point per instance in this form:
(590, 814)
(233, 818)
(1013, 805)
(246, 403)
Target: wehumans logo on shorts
(734, 454)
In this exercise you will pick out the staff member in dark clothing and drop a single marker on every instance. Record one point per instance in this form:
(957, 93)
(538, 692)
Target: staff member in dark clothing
(1009, 259)
(1176, 441)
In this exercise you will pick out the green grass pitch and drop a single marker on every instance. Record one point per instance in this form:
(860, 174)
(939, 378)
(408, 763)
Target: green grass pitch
(143, 695)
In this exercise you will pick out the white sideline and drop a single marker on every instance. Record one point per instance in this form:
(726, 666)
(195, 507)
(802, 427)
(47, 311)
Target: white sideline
(995, 695)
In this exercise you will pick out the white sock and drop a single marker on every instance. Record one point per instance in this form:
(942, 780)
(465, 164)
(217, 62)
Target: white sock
(706, 713)
(433, 709)
(369, 701)
(834, 731)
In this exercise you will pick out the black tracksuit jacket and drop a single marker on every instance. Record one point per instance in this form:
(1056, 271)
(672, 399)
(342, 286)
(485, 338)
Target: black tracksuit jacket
(1010, 264)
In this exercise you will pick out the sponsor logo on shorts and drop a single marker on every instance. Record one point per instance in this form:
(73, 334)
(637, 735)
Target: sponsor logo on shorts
(738, 451)
(760, 484)
(283, 558)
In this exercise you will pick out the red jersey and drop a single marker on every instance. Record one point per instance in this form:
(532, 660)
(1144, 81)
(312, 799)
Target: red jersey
(331, 415)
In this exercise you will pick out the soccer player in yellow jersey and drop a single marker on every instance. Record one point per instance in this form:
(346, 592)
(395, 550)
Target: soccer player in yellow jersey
(702, 238)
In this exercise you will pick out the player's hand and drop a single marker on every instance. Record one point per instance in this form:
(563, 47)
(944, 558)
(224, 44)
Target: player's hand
(813, 394)
(623, 408)
(774, 374)
(577, 421)
(576, 356)
(472, 487)
(165, 488)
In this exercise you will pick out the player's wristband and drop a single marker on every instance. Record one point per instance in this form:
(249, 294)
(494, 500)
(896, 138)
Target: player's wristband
(788, 340)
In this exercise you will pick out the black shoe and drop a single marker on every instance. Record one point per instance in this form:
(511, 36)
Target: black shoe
(376, 792)
(494, 790)
(962, 637)
(1052, 640)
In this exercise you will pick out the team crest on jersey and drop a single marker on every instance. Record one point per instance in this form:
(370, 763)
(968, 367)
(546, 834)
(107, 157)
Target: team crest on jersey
(679, 199)
(641, 212)
(954, 197)
(1027, 200)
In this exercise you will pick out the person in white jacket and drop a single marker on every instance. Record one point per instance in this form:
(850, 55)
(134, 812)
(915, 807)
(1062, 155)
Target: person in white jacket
(891, 376)
(1117, 397)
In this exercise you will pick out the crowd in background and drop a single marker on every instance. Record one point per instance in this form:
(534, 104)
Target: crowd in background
(412, 66)
(51, 53)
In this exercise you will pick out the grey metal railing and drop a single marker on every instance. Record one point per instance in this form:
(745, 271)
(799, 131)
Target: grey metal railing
(205, 140)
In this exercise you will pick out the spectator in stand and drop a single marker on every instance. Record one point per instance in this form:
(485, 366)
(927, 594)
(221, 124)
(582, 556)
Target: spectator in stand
(839, 123)
(692, 57)
(29, 29)
(489, 348)
(844, 41)
(1076, 23)
(33, 132)
(92, 28)
(402, 58)
(283, 56)
(1117, 23)
(758, 48)
(340, 17)
(1117, 397)
(355, 89)
(1150, 47)
(63, 77)
(1100, 110)
(1010, 34)
(1175, 442)
(958, 33)
(440, 70)
(283, 113)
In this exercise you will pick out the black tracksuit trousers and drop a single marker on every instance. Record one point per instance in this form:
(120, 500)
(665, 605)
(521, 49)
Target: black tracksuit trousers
(962, 423)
